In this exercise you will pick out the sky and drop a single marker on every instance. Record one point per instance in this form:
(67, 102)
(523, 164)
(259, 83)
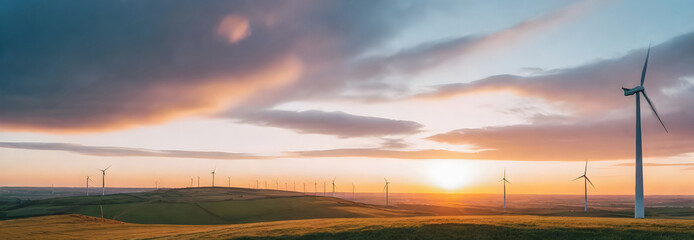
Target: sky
(435, 96)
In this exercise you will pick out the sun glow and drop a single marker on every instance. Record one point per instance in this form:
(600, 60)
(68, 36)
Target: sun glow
(449, 174)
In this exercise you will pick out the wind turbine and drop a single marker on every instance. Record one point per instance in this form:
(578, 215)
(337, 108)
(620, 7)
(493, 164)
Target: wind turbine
(638, 90)
(156, 184)
(352, 191)
(386, 188)
(585, 183)
(334, 186)
(103, 180)
(88, 180)
(265, 184)
(315, 188)
(304, 188)
(229, 182)
(257, 184)
(213, 173)
(277, 184)
(505, 181)
(285, 186)
(191, 182)
(323, 188)
(295, 186)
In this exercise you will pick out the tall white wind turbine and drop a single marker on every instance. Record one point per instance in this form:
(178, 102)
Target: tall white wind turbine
(638, 90)
(103, 180)
(198, 181)
(505, 181)
(585, 183)
(386, 189)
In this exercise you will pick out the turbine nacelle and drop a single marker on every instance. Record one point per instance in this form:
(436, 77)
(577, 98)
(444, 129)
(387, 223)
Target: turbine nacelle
(629, 92)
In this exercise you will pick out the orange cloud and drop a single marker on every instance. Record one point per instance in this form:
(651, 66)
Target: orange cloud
(235, 28)
(160, 102)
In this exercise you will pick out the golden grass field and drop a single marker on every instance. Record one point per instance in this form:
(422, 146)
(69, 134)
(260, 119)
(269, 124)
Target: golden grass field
(453, 227)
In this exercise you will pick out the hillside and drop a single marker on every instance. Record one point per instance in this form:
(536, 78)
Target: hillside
(200, 206)
(458, 227)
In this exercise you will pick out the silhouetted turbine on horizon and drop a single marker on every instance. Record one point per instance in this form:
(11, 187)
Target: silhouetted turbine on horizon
(505, 181)
(585, 183)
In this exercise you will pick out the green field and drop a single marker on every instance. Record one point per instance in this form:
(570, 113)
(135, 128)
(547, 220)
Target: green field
(200, 206)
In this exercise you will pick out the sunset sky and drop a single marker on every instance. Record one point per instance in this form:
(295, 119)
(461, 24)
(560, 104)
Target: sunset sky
(436, 96)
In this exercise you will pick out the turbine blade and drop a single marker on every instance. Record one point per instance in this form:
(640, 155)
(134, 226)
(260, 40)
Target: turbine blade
(109, 166)
(591, 183)
(645, 65)
(654, 111)
(585, 170)
(577, 178)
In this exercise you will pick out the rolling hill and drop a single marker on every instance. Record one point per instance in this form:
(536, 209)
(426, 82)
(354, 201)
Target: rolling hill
(200, 206)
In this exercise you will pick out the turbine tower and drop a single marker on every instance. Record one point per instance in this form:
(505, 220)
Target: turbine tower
(198, 181)
(214, 171)
(315, 188)
(191, 182)
(88, 180)
(277, 184)
(324, 188)
(257, 184)
(585, 183)
(103, 180)
(638, 90)
(229, 181)
(386, 189)
(352, 191)
(505, 181)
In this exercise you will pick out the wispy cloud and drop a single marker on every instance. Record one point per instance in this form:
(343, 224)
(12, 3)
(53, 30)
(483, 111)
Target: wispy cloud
(340, 124)
(127, 152)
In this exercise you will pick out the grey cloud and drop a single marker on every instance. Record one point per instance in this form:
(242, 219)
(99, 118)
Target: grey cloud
(331, 123)
(126, 152)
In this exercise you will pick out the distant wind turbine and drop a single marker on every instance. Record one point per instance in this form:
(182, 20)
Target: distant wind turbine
(315, 188)
(323, 188)
(295, 186)
(386, 189)
(277, 184)
(103, 180)
(265, 184)
(156, 184)
(585, 183)
(88, 180)
(257, 184)
(285, 187)
(191, 182)
(352, 191)
(214, 171)
(505, 181)
(198, 181)
(304, 188)
(229, 182)
(638, 90)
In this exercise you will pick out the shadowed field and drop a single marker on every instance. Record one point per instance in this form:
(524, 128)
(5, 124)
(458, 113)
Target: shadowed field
(458, 227)
(200, 206)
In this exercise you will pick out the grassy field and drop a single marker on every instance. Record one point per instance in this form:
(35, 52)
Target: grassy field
(456, 227)
(200, 206)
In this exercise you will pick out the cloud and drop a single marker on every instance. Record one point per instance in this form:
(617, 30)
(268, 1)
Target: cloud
(582, 139)
(431, 54)
(340, 124)
(381, 153)
(127, 152)
(600, 124)
(234, 28)
(594, 87)
(88, 66)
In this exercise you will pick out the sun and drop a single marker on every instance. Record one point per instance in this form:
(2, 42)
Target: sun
(449, 174)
